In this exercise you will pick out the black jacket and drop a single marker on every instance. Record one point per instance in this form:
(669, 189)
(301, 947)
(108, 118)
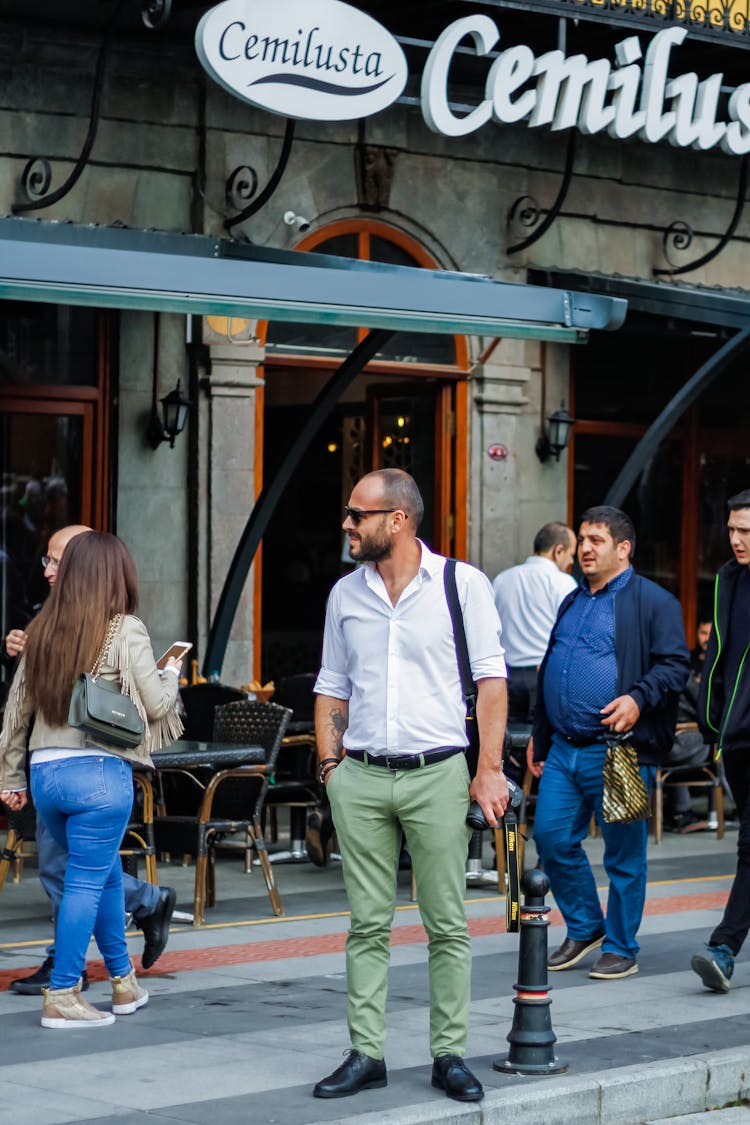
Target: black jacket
(724, 704)
(653, 663)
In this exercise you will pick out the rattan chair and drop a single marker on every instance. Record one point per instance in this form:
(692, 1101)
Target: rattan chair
(241, 805)
(295, 784)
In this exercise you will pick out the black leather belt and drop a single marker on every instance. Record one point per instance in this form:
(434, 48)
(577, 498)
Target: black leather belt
(578, 742)
(405, 761)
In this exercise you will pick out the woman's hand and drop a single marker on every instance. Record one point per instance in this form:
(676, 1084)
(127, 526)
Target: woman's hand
(173, 665)
(15, 799)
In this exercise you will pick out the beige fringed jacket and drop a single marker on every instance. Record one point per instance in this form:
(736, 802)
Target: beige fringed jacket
(130, 661)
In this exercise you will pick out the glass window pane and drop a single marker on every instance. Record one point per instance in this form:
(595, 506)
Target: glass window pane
(634, 380)
(406, 440)
(53, 344)
(40, 461)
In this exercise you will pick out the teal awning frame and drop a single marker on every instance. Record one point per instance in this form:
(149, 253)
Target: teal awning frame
(111, 267)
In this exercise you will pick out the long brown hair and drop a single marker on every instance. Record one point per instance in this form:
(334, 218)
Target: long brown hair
(96, 580)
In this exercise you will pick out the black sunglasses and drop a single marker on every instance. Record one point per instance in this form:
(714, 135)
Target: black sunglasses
(356, 515)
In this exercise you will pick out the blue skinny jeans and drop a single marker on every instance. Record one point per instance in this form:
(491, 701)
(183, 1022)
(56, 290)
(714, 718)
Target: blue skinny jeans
(570, 790)
(85, 802)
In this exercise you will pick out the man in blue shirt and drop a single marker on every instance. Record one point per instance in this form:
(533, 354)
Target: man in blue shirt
(616, 663)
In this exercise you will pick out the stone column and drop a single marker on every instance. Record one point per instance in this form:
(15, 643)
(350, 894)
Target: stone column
(227, 491)
(510, 499)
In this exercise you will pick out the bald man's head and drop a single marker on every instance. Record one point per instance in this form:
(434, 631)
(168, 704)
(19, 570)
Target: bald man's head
(58, 541)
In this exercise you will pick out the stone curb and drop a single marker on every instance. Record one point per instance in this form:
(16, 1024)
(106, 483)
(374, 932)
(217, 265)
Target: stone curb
(626, 1096)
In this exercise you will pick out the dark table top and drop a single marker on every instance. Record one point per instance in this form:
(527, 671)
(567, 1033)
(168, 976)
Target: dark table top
(187, 754)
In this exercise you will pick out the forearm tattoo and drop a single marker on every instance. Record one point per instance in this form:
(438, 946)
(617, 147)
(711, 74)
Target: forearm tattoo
(336, 733)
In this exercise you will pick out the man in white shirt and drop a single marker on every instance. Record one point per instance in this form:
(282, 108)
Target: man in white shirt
(390, 728)
(528, 597)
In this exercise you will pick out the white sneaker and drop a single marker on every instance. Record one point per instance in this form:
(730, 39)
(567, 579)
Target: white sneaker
(66, 1008)
(127, 994)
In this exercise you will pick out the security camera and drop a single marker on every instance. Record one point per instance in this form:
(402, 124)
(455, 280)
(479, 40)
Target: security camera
(299, 222)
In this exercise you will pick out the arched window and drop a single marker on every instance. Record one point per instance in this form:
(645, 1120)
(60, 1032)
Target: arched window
(367, 241)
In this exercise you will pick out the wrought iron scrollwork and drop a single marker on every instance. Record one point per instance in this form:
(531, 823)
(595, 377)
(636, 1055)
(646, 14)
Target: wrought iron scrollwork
(155, 13)
(36, 177)
(274, 181)
(678, 235)
(526, 211)
(677, 238)
(242, 185)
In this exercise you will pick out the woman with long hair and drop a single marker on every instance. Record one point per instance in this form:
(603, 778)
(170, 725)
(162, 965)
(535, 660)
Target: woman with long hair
(82, 787)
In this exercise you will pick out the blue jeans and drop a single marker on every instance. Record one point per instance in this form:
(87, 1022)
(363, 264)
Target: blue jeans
(570, 790)
(85, 803)
(140, 897)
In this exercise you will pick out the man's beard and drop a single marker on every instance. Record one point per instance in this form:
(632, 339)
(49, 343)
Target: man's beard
(370, 549)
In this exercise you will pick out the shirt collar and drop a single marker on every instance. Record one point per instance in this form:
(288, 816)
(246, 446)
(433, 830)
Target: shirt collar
(429, 566)
(612, 586)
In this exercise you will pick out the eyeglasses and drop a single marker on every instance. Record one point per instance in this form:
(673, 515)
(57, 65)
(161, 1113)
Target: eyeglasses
(356, 515)
(48, 561)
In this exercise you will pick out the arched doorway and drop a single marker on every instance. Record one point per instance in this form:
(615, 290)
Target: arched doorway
(407, 410)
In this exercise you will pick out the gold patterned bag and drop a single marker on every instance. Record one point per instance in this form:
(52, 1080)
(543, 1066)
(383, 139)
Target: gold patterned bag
(625, 796)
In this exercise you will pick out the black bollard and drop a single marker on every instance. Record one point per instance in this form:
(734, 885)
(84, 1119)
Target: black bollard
(531, 1037)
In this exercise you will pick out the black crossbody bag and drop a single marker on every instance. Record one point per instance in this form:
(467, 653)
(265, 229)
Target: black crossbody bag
(469, 692)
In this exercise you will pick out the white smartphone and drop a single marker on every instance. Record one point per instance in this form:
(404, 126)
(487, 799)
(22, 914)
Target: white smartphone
(176, 651)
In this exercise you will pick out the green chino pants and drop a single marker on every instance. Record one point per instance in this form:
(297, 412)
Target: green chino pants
(370, 805)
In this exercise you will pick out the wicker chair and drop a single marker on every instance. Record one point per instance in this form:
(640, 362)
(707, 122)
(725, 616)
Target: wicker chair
(295, 784)
(253, 723)
(225, 801)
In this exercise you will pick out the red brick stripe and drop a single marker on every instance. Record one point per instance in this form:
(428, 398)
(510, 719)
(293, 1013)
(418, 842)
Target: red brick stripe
(283, 949)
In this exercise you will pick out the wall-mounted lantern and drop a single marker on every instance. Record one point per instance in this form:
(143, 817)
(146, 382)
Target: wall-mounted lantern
(554, 439)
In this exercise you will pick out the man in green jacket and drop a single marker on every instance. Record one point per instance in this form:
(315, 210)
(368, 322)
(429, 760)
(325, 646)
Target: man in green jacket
(724, 718)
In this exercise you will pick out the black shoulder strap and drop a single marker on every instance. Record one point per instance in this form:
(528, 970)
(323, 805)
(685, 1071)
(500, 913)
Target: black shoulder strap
(468, 687)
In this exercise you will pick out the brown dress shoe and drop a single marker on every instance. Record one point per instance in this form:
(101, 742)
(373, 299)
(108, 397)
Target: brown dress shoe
(571, 952)
(612, 966)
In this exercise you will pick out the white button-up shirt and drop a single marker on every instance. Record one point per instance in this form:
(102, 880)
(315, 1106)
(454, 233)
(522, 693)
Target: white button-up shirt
(396, 665)
(528, 597)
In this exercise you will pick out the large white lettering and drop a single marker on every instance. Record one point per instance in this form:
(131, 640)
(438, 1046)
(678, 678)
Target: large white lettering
(633, 97)
(437, 112)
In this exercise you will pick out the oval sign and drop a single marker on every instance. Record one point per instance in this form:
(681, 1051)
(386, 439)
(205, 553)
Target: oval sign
(322, 61)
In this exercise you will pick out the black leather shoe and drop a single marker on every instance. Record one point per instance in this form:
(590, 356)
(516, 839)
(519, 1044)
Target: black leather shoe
(35, 982)
(572, 951)
(357, 1072)
(450, 1073)
(155, 926)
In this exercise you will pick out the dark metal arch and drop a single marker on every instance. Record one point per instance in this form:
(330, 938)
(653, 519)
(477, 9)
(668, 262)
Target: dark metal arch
(733, 224)
(672, 413)
(266, 503)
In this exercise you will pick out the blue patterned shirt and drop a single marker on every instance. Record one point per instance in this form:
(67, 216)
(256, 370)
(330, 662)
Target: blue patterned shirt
(580, 676)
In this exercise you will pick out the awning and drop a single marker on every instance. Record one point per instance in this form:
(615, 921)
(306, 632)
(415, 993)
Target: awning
(728, 308)
(111, 267)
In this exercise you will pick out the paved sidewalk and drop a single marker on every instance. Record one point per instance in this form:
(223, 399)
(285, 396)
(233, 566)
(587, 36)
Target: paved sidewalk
(247, 1013)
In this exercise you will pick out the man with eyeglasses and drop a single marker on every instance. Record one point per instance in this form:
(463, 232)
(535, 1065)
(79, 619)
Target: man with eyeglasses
(151, 906)
(391, 734)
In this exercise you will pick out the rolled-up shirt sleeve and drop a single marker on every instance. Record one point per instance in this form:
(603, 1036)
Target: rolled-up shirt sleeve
(333, 679)
(482, 624)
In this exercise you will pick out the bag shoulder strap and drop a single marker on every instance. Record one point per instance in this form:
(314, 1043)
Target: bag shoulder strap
(468, 687)
(114, 625)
